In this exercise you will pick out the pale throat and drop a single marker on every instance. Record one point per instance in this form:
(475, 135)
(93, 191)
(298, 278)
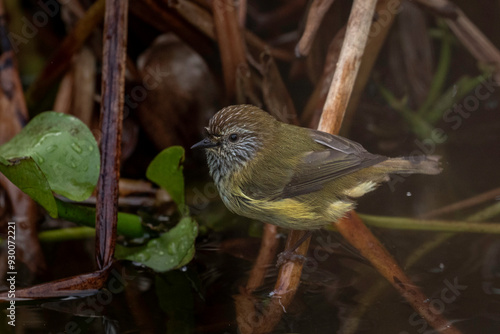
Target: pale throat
(224, 164)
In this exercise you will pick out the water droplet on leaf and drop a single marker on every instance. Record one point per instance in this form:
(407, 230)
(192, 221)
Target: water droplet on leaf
(51, 148)
(172, 248)
(76, 148)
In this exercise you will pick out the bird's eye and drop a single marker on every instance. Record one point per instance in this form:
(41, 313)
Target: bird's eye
(233, 137)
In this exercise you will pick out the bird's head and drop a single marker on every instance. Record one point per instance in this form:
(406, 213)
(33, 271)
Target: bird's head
(235, 135)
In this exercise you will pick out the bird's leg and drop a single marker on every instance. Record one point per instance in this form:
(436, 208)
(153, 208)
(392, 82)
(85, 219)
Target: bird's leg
(289, 254)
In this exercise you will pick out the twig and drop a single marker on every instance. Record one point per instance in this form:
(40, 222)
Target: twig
(113, 86)
(358, 235)
(316, 103)
(315, 16)
(467, 32)
(64, 287)
(65, 92)
(378, 34)
(430, 225)
(199, 18)
(242, 12)
(230, 41)
(267, 251)
(250, 316)
(84, 86)
(486, 213)
(278, 101)
(340, 91)
(370, 296)
(165, 19)
(464, 204)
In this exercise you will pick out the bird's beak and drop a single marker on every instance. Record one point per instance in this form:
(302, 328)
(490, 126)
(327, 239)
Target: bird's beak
(205, 143)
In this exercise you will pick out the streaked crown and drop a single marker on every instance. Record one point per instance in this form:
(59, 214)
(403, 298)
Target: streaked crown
(244, 117)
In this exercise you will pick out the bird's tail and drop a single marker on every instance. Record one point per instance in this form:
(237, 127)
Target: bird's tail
(429, 164)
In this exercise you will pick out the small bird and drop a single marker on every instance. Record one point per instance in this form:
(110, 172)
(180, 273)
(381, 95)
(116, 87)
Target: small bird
(290, 176)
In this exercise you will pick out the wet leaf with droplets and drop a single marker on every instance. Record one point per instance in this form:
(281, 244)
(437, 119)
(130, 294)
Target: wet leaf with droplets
(54, 152)
(171, 250)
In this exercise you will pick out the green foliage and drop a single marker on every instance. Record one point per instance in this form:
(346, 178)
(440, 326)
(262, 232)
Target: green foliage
(58, 153)
(53, 153)
(439, 99)
(166, 171)
(174, 248)
(171, 250)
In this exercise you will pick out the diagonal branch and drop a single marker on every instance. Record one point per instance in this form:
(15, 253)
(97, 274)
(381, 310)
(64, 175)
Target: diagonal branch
(348, 65)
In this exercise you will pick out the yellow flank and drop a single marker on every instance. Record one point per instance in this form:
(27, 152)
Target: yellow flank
(361, 189)
(290, 208)
(338, 208)
(288, 213)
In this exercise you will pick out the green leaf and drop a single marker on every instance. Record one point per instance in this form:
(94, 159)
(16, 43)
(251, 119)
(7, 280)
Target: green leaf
(26, 174)
(63, 149)
(171, 250)
(166, 171)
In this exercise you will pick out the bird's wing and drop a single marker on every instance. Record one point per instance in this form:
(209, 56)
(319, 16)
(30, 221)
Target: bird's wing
(339, 158)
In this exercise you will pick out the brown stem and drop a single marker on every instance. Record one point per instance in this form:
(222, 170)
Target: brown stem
(278, 101)
(464, 204)
(267, 251)
(65, 93)
(113, 85)
(84, 86)
(358, 235)
(467, 32)
(370, 296)
(201, 19)
(316, 103)
(377, 36)
(357, 31)
(64, 287)
(230, 41)
(242, 12)
(315, 16)
(163, 18)
(250, 317)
